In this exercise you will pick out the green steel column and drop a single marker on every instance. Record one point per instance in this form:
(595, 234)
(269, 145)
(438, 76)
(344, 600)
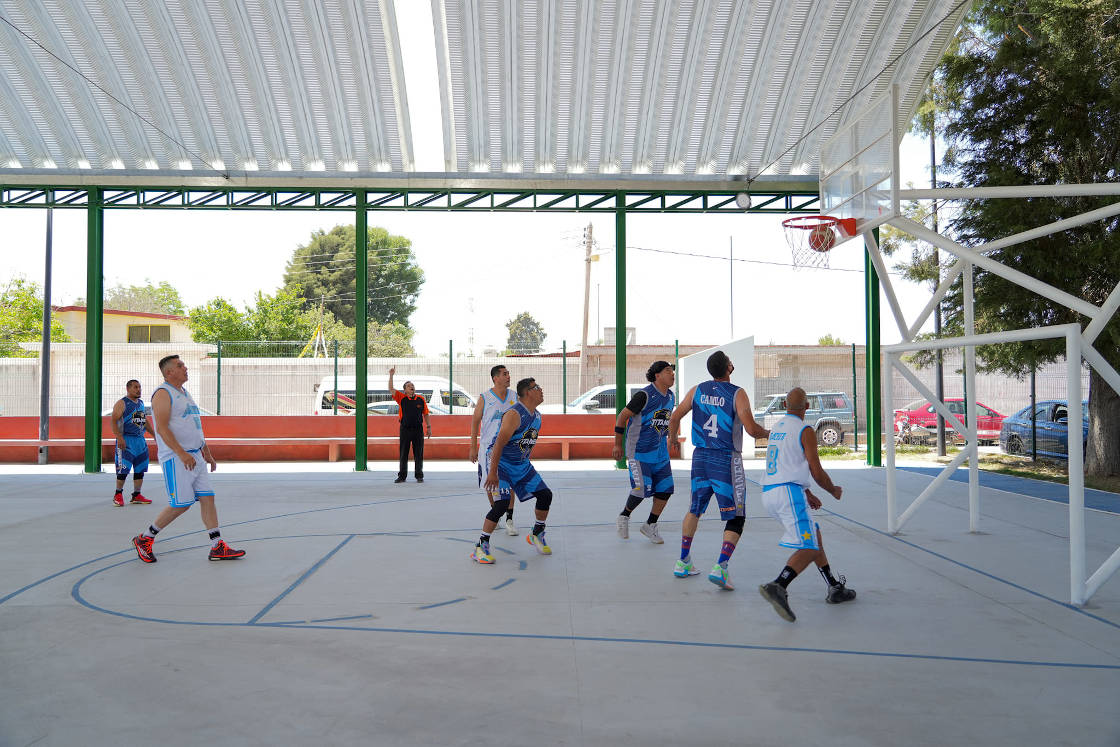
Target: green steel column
(218, 408)
(564, 377)
(95, 291)
(361, 332)
(620, 398)
(872, 363)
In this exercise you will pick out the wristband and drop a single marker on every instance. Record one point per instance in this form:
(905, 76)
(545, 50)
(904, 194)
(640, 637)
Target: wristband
(619, 431)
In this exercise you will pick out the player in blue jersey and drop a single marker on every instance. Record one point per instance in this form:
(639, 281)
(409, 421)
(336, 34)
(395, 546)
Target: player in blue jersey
(509, 464)
(646, 448)
(129, 422)
(720, 412)
(792, 465)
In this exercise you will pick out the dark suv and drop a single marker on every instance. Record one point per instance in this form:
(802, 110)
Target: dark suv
(830, 414)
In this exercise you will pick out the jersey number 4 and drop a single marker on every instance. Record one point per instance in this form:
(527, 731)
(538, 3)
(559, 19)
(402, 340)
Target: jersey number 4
(712, 427)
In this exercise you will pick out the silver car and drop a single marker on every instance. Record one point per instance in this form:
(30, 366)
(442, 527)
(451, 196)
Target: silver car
(830, 414)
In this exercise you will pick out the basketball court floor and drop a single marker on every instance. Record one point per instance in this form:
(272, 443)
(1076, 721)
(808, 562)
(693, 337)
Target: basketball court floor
(357, 618)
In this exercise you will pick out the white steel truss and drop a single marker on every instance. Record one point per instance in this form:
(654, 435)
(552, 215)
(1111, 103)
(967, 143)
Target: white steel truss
(1079, 345)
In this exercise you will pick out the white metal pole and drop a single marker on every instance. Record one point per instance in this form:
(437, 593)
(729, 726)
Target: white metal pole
(888, 433)
(1076, 463)
(970, 406)
(876, 258)
(1028, 190)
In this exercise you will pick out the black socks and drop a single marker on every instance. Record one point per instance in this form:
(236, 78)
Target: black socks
(787, 575)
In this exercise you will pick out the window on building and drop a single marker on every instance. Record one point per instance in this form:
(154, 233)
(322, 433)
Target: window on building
(149, 333)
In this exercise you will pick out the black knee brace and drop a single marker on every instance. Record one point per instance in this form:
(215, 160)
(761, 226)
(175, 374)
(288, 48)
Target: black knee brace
(498, 509)
(122, 475)
(544, 499)
(661, 496)
(138, 476)
(736, 524)
(633, 501)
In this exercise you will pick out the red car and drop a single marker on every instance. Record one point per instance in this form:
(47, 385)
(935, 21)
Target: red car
(921, 414)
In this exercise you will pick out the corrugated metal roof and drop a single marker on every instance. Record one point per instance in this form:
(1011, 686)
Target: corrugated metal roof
(267, 90)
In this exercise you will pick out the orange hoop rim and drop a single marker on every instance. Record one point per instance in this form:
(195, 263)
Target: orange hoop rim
(809, 222)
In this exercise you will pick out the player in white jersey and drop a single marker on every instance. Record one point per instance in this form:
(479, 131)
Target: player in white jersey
(792, 464)
(179, 440)
(487, 420)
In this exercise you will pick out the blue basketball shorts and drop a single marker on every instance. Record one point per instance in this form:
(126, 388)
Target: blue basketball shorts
(718, 472)
(787, 503)
(522, 478)
(504, 492)
(133, 457)
(647, 478)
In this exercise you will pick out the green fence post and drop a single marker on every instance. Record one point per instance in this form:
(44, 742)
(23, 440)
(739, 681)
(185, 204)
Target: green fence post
(855, 400)
(335, 377)
(872, 363)
(218, 407)
(450, 376)
(564, 377)
(95, 291)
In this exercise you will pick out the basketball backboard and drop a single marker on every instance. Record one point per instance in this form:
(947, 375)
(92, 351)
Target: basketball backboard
(859, 166)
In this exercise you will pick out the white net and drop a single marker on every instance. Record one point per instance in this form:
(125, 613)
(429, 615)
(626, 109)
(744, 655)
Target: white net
(810, 239)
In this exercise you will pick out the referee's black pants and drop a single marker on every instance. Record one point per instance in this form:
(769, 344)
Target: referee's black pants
(412, 437)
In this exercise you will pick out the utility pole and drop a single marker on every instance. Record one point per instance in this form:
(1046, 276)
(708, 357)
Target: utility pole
(588, 243)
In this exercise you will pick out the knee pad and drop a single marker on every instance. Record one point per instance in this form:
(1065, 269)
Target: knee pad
(736, 524)
(661, 496)
(498, 509)
(122, 475)
(138, 476)
(633, 501)
(544, 499)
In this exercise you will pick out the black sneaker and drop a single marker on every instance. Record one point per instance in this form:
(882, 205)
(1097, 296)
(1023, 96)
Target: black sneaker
(419, 479)
(399, 479)
(776, 596)
(840, 593)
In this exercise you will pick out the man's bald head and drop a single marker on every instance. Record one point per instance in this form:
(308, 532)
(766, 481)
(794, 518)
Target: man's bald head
(796, 401)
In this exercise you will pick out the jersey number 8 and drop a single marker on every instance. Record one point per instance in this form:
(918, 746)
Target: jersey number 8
(772, 460)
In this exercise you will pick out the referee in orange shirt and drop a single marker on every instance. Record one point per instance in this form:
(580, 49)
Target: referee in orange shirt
(413, 415)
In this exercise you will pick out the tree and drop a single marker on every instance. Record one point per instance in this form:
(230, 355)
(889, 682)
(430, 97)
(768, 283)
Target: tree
(830, 340)
(153, 299)
(392, 340)
(1032, 98)
(324, 270)
(218, 320)
(21, 319)
(526, 335)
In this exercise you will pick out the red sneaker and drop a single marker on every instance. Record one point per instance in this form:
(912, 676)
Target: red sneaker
(143, 547)
(118, 499)
(222, 551)
(139, 499)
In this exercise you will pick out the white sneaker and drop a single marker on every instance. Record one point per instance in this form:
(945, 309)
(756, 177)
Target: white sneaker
(623, 525)
(650, 530)
(511, 528)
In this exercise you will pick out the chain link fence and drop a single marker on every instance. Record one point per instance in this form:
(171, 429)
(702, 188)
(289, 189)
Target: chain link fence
(288, 378)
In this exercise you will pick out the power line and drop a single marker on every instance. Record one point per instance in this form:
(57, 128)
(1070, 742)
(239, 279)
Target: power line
(748, 261)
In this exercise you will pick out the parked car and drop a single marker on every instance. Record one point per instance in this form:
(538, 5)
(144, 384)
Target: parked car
(595, 400)
(920, 414)
(148, 411)
(830, 414)
(1051, 425)
(431, 388)
(390, 407)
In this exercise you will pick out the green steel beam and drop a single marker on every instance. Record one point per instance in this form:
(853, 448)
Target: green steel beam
(95, 291)
(872, 363)
(620, 398)
(444, 200)
(361, 332)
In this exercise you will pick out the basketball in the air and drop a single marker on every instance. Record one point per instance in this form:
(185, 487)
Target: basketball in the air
(821, 239)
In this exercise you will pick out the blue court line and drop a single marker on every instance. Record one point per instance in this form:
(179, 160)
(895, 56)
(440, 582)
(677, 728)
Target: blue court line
(522, 565)
(1099, 500)
(441, 604)
(76, 594)
(336, 619)
(300, 580)
(507, 582)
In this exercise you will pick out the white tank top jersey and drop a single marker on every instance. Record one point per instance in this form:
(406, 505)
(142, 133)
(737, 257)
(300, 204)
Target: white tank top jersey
(493, 409)
(785, 456)
(184, 423)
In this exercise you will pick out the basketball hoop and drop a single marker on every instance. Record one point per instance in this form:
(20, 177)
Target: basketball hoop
(811, 237)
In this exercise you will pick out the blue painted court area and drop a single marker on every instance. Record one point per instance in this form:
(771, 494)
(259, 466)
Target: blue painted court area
(1048, 491)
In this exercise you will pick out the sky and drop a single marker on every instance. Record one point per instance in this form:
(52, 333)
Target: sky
(482, 269)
